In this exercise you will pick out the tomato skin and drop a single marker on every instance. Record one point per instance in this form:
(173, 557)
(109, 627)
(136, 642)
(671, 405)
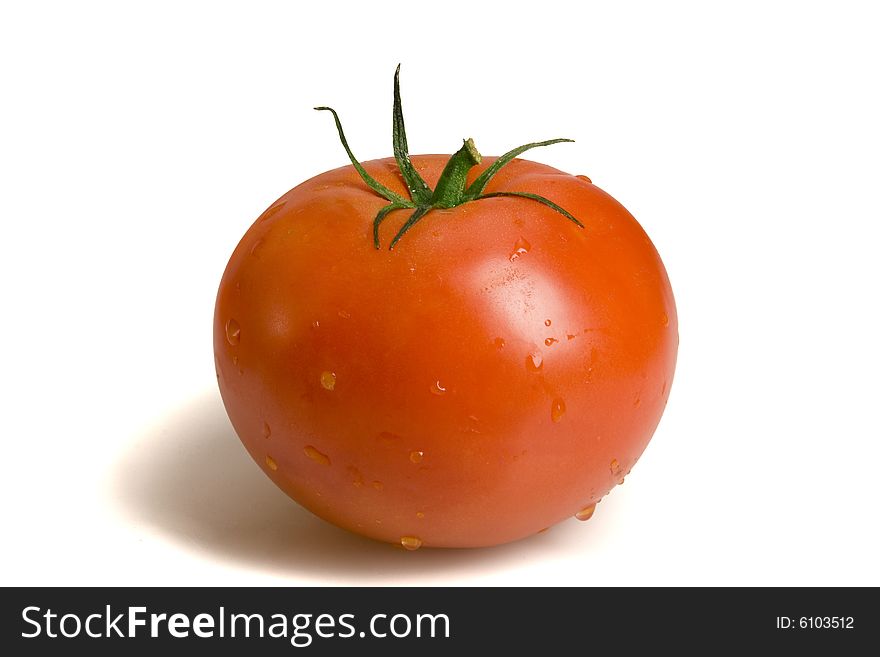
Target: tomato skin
(498, 371)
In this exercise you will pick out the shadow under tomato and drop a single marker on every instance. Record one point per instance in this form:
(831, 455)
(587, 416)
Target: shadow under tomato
(191, 478)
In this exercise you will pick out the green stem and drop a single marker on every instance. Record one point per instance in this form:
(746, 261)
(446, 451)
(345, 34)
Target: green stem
(483, 179)
(418, 188)
(414, 218)
(380, 217)
(534, 197)
(372, 183)
(450, 188)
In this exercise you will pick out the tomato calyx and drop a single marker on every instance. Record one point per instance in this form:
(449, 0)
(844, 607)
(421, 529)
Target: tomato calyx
(451, 190)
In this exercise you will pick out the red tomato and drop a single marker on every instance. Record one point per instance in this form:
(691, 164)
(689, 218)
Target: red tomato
(500, 370)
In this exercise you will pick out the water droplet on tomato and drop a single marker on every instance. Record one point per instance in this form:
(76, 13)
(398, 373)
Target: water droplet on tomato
(557, 410)
(267, 430)
(328, 380)
(547, 322)
(473, 425)
(665, 319)
(416, 456)
(520, 248)
(534, 361)
(316, 324)
(420, 514)
(571, 336)
(411, 542)
(615, 467)
(272, 211)
(549, 342)
(438, 388)
(586, 513)
(387, 439)
(499, 343)
(235, 360)
(233, 332)
(584, 178)
(378, 485)
(637, 402)
(344, 314)
(270, 463)
(316, 456)
(357, 479)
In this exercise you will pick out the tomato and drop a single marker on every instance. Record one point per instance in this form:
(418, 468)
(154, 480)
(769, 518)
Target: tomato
(501, 369)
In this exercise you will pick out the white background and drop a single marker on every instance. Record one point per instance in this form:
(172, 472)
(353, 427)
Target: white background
(138, 143)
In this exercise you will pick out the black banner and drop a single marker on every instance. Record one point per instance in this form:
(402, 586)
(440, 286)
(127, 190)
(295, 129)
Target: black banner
(432, 621)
